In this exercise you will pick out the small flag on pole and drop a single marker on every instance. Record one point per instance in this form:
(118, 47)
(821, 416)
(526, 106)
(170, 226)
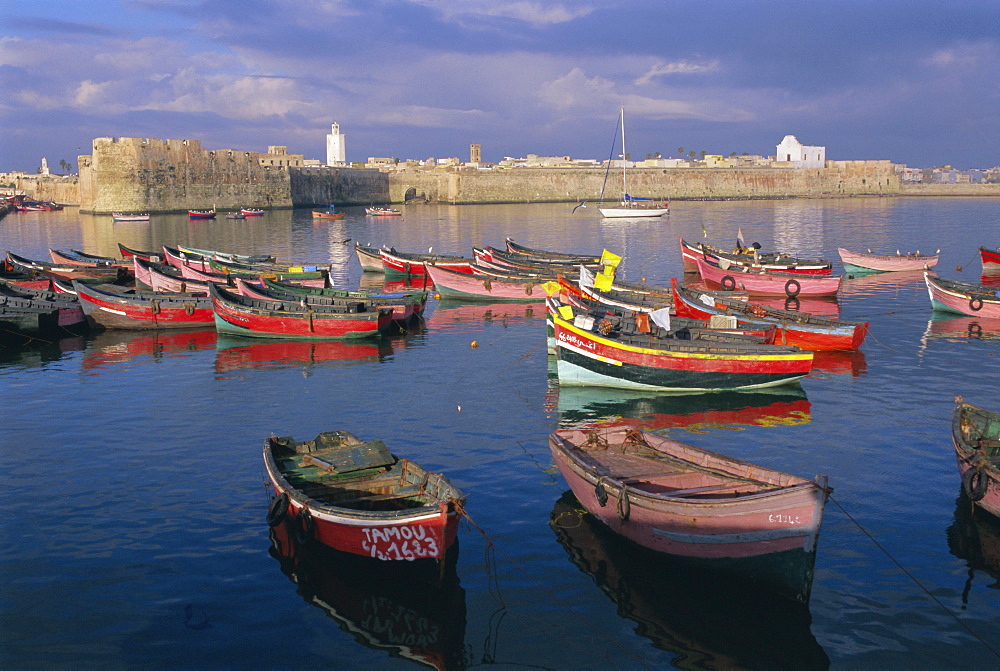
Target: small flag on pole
(739, 237)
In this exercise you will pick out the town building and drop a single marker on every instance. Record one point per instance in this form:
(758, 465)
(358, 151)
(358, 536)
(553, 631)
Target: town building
(336, 151)
(790, 150)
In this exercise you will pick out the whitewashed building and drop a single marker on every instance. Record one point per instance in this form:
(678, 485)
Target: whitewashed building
(336, 153)
(799, 155)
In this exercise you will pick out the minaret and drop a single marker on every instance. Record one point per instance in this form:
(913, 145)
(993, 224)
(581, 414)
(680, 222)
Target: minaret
(335, 153)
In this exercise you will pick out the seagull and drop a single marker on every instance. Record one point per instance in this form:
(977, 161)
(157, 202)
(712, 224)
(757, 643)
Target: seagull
(582, 204)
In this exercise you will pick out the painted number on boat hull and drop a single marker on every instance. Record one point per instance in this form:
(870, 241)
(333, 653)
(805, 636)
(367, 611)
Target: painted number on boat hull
(395, 543)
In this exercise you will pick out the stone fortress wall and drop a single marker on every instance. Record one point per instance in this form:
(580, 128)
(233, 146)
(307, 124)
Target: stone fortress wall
(154, 175)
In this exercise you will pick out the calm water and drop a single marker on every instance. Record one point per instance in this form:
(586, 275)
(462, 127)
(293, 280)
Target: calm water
(132, 480)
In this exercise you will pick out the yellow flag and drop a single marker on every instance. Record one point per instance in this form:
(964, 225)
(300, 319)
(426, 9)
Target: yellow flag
(551, 288)
(609, 259)
(602, 281)
(566, 312)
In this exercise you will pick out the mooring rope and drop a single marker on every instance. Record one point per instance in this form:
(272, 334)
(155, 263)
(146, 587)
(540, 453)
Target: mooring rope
(962, 624)
(493, 546)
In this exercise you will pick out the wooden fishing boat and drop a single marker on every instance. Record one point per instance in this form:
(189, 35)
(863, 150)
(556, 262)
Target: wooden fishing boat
(505, 259)
(975, 432)
(130, 216)
(457, 285)
(611, 351)
(89, 274)
(69, 314)
(179, 258)
(131, 309)
(766, 283)
(328, 213)
(74, 257)
(401, 311)
(403, 302)
(21, 325)
(369, 258)
(358, 497)
(382, 212)
(241, 315)
(990, 257)
(210, 254)
(686, 501)
(128, 253)
(974, 300)
(769, 261)
(802, 329)
(252, 212)
(885, 263)
(403, 263)
(201, 214)
(163, 277)
(310, 279)
(546, 255)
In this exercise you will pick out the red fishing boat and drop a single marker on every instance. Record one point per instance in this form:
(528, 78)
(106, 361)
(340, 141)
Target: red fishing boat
(358, 497)
(975, 432)
(766, 283)
(252, 212)
(402, 263)
(131, 309)
(682, 500)
(802, 329)
(201, 214)
(241, 315)
(607, 351)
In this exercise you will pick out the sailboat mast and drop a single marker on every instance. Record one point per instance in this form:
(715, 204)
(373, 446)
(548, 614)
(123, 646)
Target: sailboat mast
(624, 158)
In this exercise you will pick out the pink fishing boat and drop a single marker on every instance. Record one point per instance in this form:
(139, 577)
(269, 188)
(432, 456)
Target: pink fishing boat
(974, 300)
(885, 263)
(463, 286)
(682, 500)
(760, 283)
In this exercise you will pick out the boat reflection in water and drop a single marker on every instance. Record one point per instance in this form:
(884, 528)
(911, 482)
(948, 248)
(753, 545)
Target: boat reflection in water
(451, 313)
(846, 362)
(117, 346)
(377, 282)
(234, 353)
(975, 537)
(944, 326)
(41, 352)
(397, 607)
(598, 407)
(872, 284)
(708, 621)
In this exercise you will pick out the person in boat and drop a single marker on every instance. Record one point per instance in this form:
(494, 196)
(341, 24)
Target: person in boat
(740, 249)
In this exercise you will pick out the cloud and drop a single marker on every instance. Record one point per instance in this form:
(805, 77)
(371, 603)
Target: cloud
(675, 68)
(537, 14)
(425, 117)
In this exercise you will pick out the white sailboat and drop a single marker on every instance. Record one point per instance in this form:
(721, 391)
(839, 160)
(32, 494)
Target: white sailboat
(631, 206)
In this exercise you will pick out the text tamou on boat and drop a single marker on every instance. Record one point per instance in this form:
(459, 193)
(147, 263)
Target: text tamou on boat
(357, 497)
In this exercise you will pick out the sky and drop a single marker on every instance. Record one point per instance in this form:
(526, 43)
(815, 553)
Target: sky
(916, 82)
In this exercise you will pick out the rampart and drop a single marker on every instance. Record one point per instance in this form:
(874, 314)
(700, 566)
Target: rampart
(153, 175)
(528, 185)
(342, 186)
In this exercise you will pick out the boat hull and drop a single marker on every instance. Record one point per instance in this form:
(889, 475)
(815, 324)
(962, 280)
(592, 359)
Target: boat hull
(625, 212)
(885, 263)
(280, 319)
(690, 253)
(464, 286)
(975, 434)
(586, 358)
(768, 283)
(961, 298)
(145, 310)
(783, 519)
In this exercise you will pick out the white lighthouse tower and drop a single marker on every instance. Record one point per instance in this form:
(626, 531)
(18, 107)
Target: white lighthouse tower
(335, 152)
